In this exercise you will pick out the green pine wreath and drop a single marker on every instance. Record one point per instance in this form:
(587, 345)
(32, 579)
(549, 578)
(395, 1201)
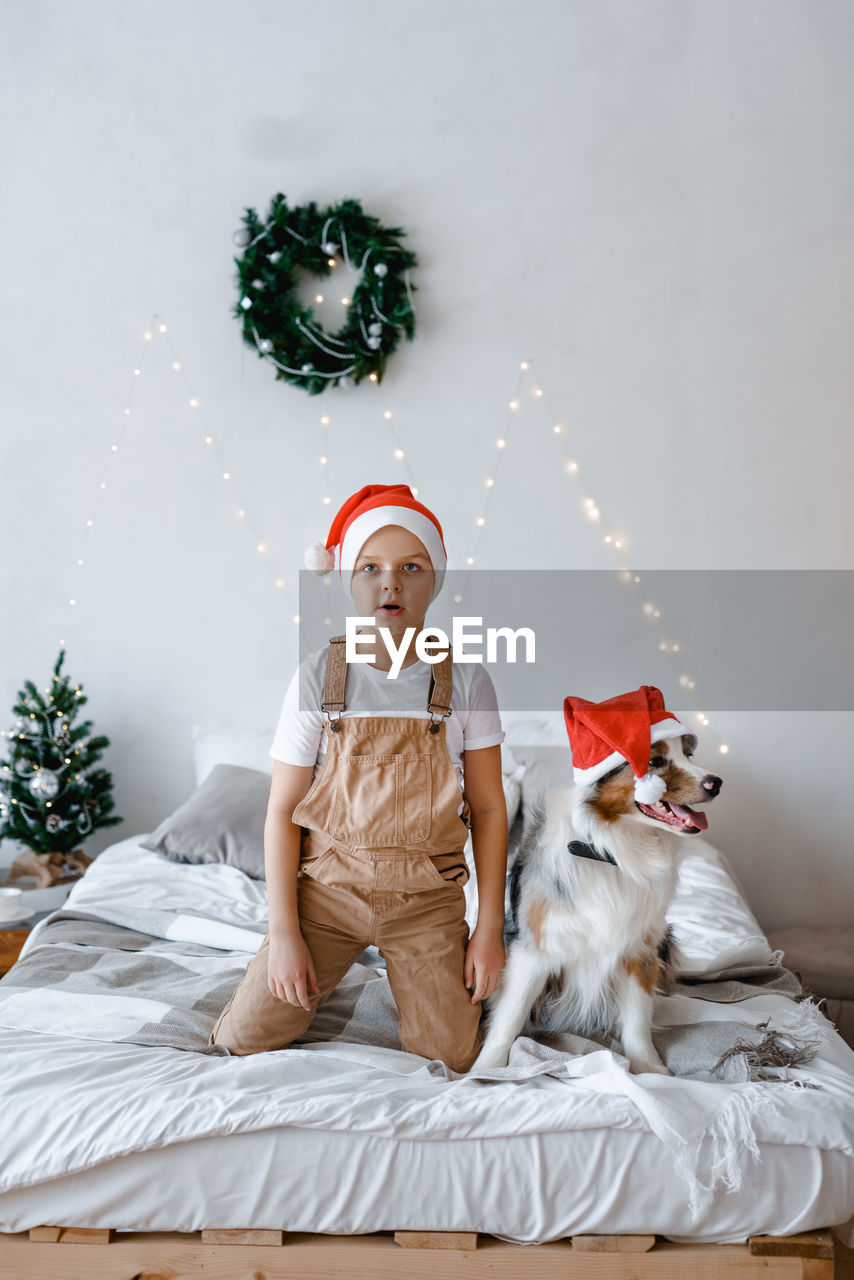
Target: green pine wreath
(283, 330)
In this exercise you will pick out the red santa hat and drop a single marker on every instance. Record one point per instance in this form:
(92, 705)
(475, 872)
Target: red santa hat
(363, 514)
(604, 735)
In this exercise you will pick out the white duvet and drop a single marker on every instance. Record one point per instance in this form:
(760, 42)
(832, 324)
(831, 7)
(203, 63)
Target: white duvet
(74, 1103)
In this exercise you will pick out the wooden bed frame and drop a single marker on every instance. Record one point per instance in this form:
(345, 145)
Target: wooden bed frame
(75, 1253)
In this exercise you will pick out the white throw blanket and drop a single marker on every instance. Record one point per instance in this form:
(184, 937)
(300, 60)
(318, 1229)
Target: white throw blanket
(151, 1096)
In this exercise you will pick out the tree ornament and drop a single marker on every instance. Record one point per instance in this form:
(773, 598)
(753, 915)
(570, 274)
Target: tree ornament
(23, 767)
(44, 784)
(283, 330)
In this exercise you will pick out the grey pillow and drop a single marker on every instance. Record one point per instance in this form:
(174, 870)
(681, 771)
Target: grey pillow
(223, 821)
(546, 769)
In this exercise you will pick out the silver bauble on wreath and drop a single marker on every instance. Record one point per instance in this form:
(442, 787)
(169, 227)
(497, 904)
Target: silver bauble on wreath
(242, 237)
(44, 784)
(23, 768)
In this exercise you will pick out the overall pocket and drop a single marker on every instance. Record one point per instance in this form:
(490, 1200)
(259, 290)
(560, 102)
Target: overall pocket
(382, 802)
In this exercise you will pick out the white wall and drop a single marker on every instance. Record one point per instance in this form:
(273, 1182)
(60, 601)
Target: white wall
(652, 200)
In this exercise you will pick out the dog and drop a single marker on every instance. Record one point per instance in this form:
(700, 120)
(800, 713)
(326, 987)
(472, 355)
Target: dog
(588, 942)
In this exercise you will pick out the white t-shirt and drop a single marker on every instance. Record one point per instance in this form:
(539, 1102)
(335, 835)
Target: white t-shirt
(474, 723)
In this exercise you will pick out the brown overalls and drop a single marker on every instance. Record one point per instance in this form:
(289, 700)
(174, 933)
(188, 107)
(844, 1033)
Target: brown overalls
(381, 865)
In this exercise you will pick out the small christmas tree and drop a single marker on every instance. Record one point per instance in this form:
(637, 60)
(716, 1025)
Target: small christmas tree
(50, 796)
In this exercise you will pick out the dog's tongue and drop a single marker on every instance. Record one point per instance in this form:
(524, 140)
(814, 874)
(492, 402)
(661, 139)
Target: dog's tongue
(696, 819)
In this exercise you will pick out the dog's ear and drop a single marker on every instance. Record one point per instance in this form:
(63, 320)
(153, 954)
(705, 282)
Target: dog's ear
(689, 744)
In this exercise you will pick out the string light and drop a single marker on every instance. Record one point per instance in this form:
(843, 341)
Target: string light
(176, 365)
(617, 543)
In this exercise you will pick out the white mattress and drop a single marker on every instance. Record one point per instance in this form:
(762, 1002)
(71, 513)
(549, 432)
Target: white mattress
(354, 1139)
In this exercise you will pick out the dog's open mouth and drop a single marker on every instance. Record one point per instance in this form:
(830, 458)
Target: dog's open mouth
(678, 816)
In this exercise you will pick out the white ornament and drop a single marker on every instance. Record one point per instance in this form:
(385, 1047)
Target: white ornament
(375, 328)
(246, 303)
(373, 343)
(329, 248)
(44, 784)
(265, 346)
(274, 256)
(257, 284)
(242, 237)
(307, 368)
(23, 768)
(381, 270)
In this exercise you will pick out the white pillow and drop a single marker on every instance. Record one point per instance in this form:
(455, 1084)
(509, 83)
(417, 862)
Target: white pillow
(534, 729)
(249, 748)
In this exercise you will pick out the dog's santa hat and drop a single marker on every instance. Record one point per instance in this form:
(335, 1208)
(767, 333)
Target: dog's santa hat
(620, 730)
(365, 512)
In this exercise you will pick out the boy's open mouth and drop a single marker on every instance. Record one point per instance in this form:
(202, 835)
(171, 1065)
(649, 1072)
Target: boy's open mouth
(390, 609)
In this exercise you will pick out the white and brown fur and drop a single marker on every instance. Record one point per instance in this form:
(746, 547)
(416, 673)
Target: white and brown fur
(588, 942)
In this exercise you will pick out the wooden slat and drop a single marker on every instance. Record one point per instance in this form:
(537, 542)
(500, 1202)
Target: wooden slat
(222, 1235)
(70, 1235)
(811, 1244)
(613, 1244)
(436, 1239)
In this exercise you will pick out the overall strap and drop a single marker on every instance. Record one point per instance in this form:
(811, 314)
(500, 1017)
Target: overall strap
(336, 677)
(441, 687)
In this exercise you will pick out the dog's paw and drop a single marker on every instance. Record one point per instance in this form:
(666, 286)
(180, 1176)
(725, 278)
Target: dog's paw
(487, 1059)
(639, 1067)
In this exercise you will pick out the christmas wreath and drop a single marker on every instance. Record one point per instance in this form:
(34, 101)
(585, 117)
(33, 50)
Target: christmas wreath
(282, 329)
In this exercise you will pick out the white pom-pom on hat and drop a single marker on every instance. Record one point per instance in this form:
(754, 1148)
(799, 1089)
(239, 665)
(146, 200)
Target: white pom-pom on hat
(650, 788)
(320, 558)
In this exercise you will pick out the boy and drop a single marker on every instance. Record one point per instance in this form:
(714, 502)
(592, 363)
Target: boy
(365, 827)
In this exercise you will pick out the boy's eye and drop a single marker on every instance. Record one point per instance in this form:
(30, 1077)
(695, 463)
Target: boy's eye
(410, 565)
(368, 568)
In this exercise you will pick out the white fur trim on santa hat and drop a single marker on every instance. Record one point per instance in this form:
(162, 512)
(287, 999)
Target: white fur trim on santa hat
(650, 788)
(319, 558)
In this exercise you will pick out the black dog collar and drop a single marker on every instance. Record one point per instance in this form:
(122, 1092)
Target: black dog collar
(582, 850)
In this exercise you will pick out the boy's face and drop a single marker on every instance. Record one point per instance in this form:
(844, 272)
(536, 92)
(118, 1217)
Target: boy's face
(393, 579)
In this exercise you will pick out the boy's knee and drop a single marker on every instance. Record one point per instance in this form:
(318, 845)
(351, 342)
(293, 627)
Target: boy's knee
(457, 1046)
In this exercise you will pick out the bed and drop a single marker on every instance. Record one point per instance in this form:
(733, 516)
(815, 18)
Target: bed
(119, 1117)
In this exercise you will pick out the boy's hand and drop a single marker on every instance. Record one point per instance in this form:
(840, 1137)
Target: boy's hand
(290, 970)
(484, 962)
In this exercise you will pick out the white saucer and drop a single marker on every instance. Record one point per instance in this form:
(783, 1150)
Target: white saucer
(16, 919)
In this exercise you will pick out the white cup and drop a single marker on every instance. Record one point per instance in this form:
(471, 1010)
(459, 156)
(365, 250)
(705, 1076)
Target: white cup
(10, 903)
